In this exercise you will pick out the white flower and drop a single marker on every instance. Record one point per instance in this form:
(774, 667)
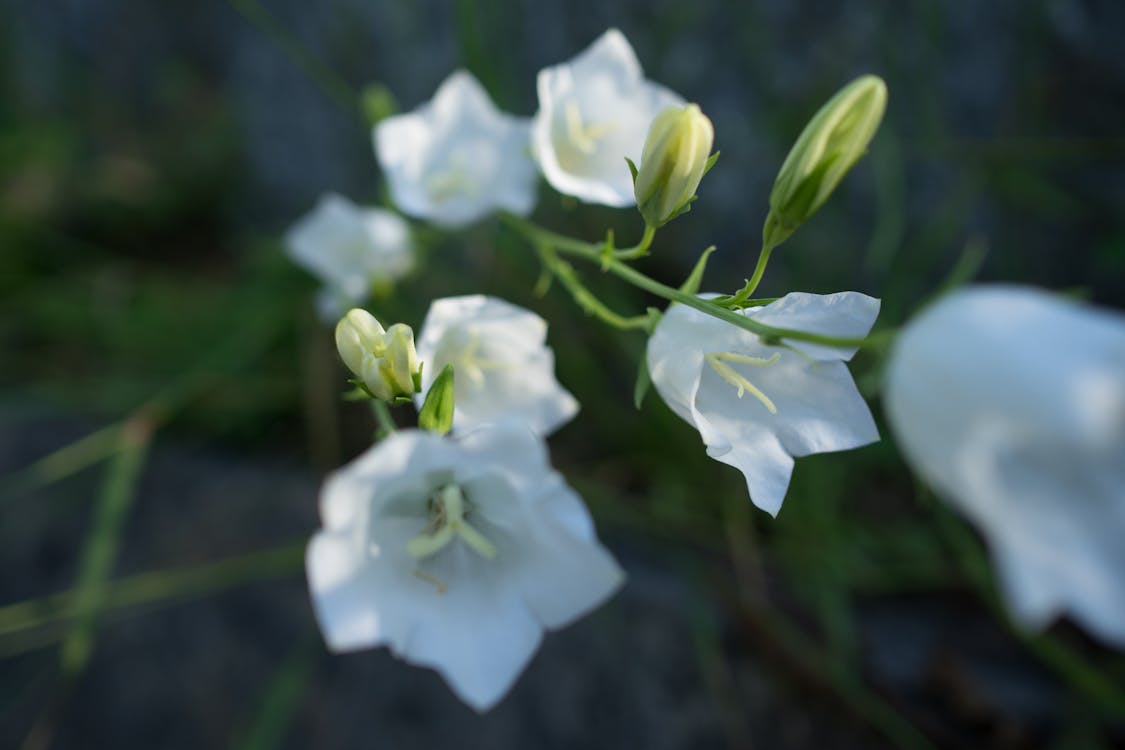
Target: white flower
(457, 158)
(350, 249)
(502, 367)
(803, 399)
(1010, 402)
(456, 555)
(594, 111)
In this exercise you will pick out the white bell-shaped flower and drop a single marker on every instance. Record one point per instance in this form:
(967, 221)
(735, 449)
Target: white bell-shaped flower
(455, 554)
(350, 249)
(501, 363)
(594, 112)
(756, 406)
(457, 158)
(1010, 402)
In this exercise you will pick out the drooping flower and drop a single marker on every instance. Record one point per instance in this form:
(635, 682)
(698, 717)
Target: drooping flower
(457, 158)
(594, 112)
(502, 365)
(455, 554)
(1010, 402)
(350, 249)
(802, 397)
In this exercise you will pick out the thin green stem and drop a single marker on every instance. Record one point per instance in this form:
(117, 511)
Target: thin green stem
(319, 73)
(101, 545)
(639, 250)
(583, 297)
(594, 254)
(744, 293)
(156, 587)
(383, 418)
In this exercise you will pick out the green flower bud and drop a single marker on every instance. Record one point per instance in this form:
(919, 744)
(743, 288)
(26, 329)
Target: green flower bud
(358, 334)
(400, 363)
(674, 159)
(830, 145)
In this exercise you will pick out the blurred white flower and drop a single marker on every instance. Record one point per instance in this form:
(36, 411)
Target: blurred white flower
(350, 249)
(457, 158)
(595, 111)
(803, 399)
(502, 366)
(1010, 402)
(455, 554)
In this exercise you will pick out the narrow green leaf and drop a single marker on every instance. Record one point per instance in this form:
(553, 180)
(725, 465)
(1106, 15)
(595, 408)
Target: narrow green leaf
(644, 382)
(632, 169)
(691, 285)
(436, 414)
(711, 162)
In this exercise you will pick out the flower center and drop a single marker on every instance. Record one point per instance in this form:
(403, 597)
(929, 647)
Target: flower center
(453, 180)
(719, 361)
(582, 136)
(448, 510)
(467, 361)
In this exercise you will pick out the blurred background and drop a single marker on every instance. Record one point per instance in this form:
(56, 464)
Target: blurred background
(169, 400)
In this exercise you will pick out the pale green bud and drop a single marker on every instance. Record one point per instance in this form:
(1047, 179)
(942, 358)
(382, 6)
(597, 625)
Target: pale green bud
(372, 375)
(358, 334)
(830, 145)
(674, 159)
(400, 363)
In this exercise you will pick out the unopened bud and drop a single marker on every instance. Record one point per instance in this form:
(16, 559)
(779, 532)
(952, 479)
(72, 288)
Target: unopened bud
(830, 145)
(673, 161)
(400, 362)
(358, 334)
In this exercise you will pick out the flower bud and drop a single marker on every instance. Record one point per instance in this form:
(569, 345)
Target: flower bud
(400, 363)
(358, 334)
(830, 145)
(673, 161)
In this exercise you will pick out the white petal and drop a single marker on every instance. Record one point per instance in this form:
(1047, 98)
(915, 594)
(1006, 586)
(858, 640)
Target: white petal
(604, 88)
(843, 314)
(1011, 403)
(457, 159)
(516, 373)
(818, 408)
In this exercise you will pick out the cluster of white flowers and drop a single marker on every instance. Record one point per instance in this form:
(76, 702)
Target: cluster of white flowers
(456, 545)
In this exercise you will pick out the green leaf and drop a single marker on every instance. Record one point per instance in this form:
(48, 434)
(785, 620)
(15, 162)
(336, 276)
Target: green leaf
(691, 285)
(436, 414)
(711, 162)
(632, 169)
(644, 382)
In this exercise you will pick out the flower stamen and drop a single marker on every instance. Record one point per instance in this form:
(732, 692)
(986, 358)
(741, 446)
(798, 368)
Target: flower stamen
(447, 520)
(718, 362)
(584, 137)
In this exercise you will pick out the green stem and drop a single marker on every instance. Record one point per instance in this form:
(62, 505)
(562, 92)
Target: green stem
(744, 293)
(101, 545)
(383, 418)
(583, 297)
(639, 250)
(594, 253)
(156, 587)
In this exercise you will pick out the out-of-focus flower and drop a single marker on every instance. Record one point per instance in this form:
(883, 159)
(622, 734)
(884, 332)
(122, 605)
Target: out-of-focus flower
(503, 367)
(385, 361)
(1010, 402)
(594, 112)
(804, 400)
(457, 158)
(675, 156)
(350, 249)
(455, 554)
